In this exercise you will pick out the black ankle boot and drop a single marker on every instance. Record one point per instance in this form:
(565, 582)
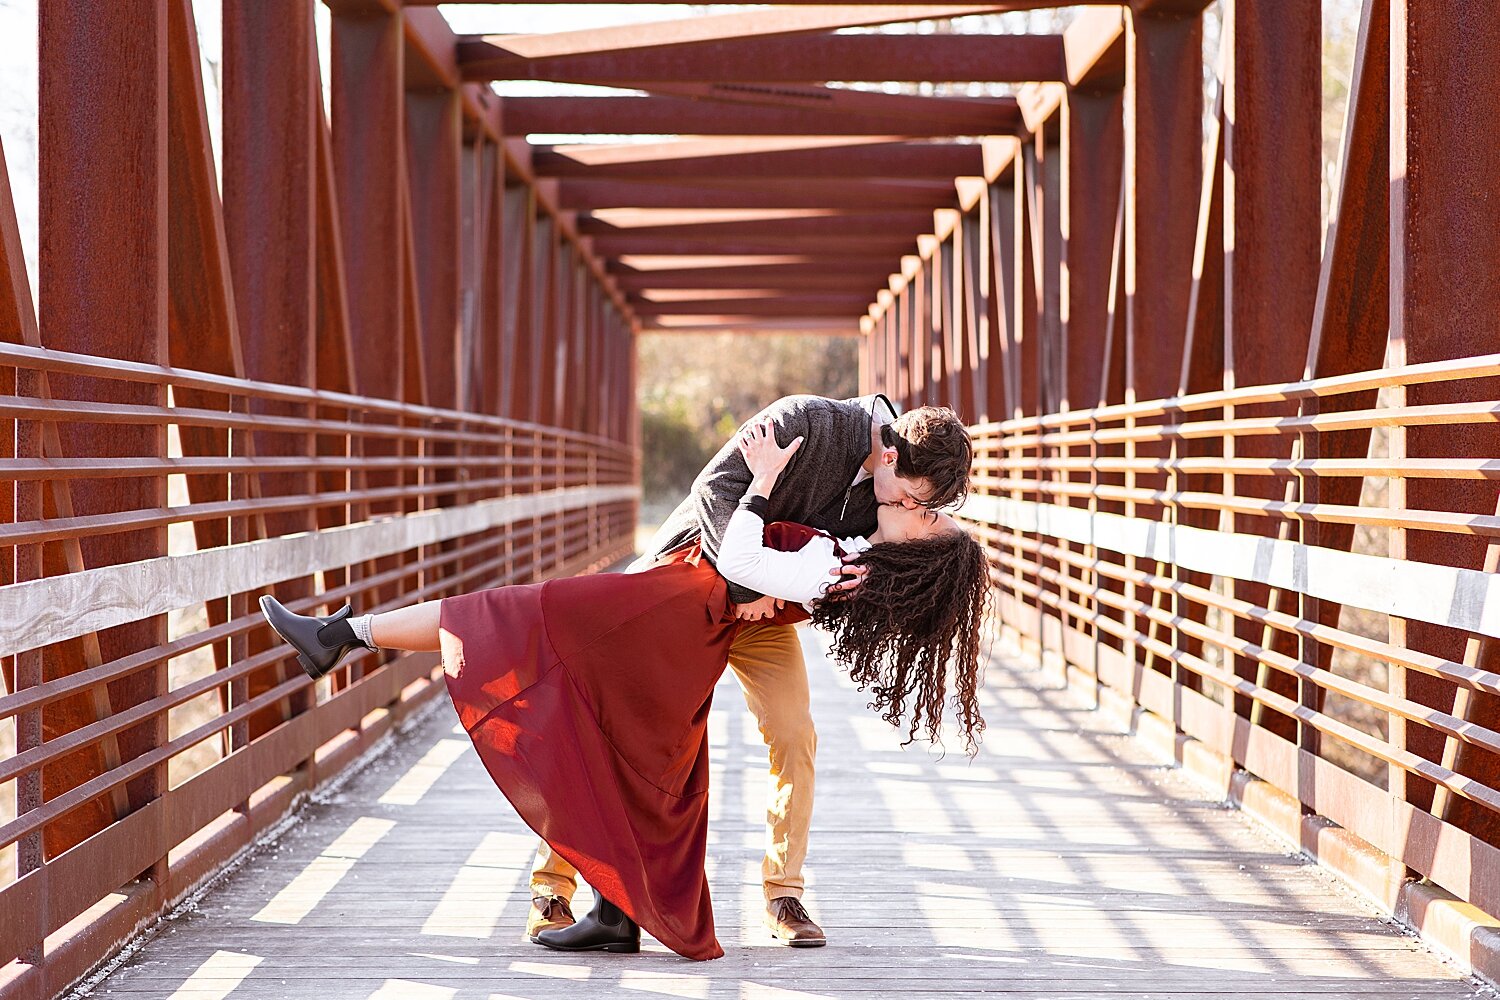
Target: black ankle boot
(604, 928)
(320, 642)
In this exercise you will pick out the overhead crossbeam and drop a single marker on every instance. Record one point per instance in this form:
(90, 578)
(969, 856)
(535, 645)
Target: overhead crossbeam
(662, 162)
(657, 115)
(626, 39)
(809, 59)
(889, 246)
(778, 278)
(580, 194)
(784, 226)
(825, 305)
(969, 112)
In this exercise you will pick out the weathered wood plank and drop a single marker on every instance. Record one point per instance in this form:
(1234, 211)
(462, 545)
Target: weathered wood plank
(1443, 595)
(40, 612)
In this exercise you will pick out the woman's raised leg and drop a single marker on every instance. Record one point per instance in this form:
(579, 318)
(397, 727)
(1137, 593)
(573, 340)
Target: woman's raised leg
(413, 628)
(321, 642)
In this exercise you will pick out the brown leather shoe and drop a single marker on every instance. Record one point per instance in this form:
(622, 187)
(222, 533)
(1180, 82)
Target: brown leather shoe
(791, 925)
(548, 913)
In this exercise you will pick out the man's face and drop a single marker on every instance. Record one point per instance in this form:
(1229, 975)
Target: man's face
(893, 489)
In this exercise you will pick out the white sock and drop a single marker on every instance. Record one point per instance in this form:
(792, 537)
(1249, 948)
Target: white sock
(361, 626)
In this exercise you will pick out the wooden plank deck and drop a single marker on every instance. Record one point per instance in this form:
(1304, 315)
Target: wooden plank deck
(1061, 863)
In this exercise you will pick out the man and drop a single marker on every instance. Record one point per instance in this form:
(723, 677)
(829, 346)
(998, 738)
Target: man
(856, 455)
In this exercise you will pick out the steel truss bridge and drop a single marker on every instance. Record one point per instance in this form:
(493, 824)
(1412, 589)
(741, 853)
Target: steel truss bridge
(1237, 473)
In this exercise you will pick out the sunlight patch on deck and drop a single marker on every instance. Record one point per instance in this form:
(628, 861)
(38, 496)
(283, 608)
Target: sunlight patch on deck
(405, 989)
(324, 872)
(669, 984)
(421, 776)
(478, 894)
(219, 975)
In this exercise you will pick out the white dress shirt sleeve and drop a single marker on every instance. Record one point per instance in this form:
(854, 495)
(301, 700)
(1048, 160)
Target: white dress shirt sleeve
(800, 576)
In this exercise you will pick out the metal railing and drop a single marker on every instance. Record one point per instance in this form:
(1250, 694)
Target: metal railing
(1155, 550)
(141, 764)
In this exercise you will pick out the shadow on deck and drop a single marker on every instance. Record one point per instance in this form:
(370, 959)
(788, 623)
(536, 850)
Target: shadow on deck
(1062, 862)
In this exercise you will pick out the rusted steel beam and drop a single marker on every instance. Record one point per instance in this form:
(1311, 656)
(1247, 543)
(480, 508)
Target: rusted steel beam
(545, 244)
(840, 158)
(431, 59)
(434, 147)
(333, 366)
(494, 264)
(788, 305)
(997, 207)
(517, 155)
(18, 324)
(367, 89)
(973, 244)
(1445, 252)
(685, 116)
(1092, 160)
(961, 112)
(788, 225)
(335, 360)
(429, 64)
(270, 220)
(1273, 155)
(519, 218)
(1094, 49)
(17, 311)
(772, 24)
(433, 143)
(1047, 193)
(1351, 312)
(1163, 160)
(1163, 172)
(871, 277)
(414, 386)
(1352, 309)
(821, 326)
(863, 246)
(806, 59)
(1025, 355)
(103, 284)
(585, 194)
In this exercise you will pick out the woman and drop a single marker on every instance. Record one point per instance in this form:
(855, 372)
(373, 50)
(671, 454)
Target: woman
(587, 698)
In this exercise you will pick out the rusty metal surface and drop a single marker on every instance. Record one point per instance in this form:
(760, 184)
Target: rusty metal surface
(658, 115)
(805, 59)
(1445, 250)
(103, 267)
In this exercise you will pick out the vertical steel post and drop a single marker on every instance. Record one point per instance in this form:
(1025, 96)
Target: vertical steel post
(102, 165)
(1445, 253)
(270, 220)
(367, 79)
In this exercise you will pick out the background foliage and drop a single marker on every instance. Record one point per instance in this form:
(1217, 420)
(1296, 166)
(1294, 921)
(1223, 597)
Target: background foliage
(695, 389)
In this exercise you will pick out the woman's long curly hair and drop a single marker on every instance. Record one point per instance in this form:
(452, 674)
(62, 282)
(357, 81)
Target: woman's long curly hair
(918, 612)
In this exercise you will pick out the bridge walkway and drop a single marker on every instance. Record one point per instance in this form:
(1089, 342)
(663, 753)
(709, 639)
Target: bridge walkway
(1063, 862)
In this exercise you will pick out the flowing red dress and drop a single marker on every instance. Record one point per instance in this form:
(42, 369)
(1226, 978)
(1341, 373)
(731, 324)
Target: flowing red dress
(587, 699)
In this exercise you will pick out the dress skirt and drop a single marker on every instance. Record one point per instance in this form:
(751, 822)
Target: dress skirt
(587, 699)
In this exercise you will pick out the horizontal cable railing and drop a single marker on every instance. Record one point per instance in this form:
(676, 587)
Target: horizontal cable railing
(1186, 557)
(158, 723)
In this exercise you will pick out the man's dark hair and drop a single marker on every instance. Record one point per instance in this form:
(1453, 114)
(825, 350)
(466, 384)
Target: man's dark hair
(932, 443)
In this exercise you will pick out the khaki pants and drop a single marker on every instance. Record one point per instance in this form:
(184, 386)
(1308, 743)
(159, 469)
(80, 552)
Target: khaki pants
(767, 660)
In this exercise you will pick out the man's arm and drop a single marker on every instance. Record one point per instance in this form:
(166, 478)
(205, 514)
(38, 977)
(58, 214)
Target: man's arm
(721, 485)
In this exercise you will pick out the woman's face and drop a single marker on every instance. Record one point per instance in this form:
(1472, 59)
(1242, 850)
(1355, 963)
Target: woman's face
(903, 524)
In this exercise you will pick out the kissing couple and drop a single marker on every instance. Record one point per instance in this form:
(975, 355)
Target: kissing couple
(587, 698)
